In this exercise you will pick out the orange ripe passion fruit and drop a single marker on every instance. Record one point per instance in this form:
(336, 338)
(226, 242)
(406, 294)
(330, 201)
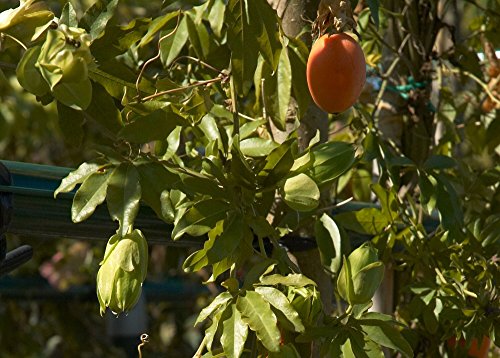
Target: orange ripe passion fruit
(336, 72)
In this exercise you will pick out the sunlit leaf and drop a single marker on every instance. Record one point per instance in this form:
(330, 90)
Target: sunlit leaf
(97, 17)
(201, 218)
(278, 300)
(329, 243)
(257, 314)
(234, 334)
(76, 177)
(90, 195)
(123, 195)
(301, 193)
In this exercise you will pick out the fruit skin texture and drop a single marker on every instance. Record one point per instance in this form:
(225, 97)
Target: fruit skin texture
(336, 72)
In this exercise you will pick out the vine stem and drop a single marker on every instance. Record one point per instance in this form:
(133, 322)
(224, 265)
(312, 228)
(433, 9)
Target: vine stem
(197, 60)
(180, 89)
(199, 352)
(152, 59)
(144, 340)
(477, 80)
(16, 40)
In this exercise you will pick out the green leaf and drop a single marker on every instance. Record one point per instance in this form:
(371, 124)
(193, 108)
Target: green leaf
(213, 328)
(199, 38)
(278, 300)
(90, 195)
(117, 40)
(68, 16)
(427, 186)
(374, 6)
(221, 300)
(171, 46)
(257, 271)
(77, 176)
(196, 261)
(155, 180)
(439, 162)
(295, 279)
(211, 132)
(71, 122)
(28, 75)
(448, 204)
(173, 143)
(385, 335)
(257, 314)
(257, 147)
(301, 193)
(264, 27)
(196, 183)
(369, 221)
(216, 16)
(155, 126)
(250, 128)
(123, 196)
(242, 41)
(240, 168)
(97, 17)
(76, 95)
(103, 111)
(223, 245)
(201, 218)
(330, 160)
(155, 26)
(278, 163)
(234, 334)
(329, 243)
(114, 85)
(284, 78)
(298, 62)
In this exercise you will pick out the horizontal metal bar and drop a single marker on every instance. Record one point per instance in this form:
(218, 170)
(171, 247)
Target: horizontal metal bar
(37, 288)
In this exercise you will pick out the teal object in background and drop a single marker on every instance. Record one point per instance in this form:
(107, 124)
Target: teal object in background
(37, 214)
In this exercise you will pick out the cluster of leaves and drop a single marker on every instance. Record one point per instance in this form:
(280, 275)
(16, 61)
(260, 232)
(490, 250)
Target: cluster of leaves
(187, 117)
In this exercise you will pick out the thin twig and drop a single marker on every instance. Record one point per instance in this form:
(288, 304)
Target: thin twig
(197, 60)
(157, 55)
(180, 89)
(199, 352)
(15, 39)
(477, 80)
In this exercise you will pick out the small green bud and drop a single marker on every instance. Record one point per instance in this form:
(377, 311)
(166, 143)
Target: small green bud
(65, 55)
(307, 303)
(122, 272)
(361, 275)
